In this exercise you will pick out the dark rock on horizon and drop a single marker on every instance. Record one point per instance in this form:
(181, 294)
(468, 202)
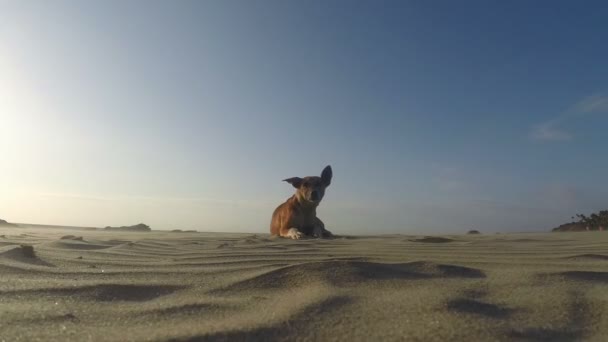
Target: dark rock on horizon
(136, 228)
(3, 223)
(570, 227)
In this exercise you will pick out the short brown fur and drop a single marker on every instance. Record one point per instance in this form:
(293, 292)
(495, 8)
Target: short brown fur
(297, 216)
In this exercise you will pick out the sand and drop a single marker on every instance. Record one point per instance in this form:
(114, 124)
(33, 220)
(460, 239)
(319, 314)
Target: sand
(86, 285)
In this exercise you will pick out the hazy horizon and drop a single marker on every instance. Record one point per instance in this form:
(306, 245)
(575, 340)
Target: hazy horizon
(436, 117)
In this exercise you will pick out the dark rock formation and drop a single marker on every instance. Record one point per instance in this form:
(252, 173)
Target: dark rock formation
(6, 224)
(571, 227)
(136, 228)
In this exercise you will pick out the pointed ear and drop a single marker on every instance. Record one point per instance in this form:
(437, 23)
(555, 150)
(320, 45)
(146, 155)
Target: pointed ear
(295, 181)
(326, 175)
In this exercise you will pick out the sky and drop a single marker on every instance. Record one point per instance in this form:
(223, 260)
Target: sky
(436, 116)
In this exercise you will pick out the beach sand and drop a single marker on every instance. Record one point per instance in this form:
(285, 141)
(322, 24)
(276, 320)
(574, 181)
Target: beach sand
(169, 286)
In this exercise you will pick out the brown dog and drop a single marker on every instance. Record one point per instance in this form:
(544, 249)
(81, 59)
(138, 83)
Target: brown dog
(298, 215)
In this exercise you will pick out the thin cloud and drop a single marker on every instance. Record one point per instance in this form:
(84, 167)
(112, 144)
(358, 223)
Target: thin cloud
(593, 104)
(552, 130)
(549, 131)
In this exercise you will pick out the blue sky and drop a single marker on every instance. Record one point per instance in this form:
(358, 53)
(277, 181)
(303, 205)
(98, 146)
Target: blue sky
(436, 116)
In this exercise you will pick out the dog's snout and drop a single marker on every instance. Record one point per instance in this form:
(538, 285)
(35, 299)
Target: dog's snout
(314, 196)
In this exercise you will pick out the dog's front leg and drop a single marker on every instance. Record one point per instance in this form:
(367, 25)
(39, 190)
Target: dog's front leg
(292, 233)
(319, 230)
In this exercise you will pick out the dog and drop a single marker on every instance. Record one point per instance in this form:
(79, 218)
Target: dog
(297, 217)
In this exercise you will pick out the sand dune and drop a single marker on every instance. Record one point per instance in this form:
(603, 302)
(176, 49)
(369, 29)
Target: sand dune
(181, 286)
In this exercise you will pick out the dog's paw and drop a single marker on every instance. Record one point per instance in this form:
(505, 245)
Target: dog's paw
(294, 233)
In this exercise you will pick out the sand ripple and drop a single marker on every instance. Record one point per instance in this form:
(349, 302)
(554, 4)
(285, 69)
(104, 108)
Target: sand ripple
(183, 286)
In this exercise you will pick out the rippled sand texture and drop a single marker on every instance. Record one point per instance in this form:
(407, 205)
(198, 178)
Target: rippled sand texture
(113, 286)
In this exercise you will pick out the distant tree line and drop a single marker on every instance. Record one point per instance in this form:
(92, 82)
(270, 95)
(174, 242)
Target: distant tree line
(594, 221)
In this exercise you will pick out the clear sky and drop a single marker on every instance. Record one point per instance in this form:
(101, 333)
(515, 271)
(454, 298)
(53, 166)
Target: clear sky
(436, 116)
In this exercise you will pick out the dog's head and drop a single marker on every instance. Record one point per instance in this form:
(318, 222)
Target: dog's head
(312, 188)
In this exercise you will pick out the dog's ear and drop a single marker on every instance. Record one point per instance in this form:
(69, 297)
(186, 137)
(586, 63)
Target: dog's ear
(326, 175)
(295, 181)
